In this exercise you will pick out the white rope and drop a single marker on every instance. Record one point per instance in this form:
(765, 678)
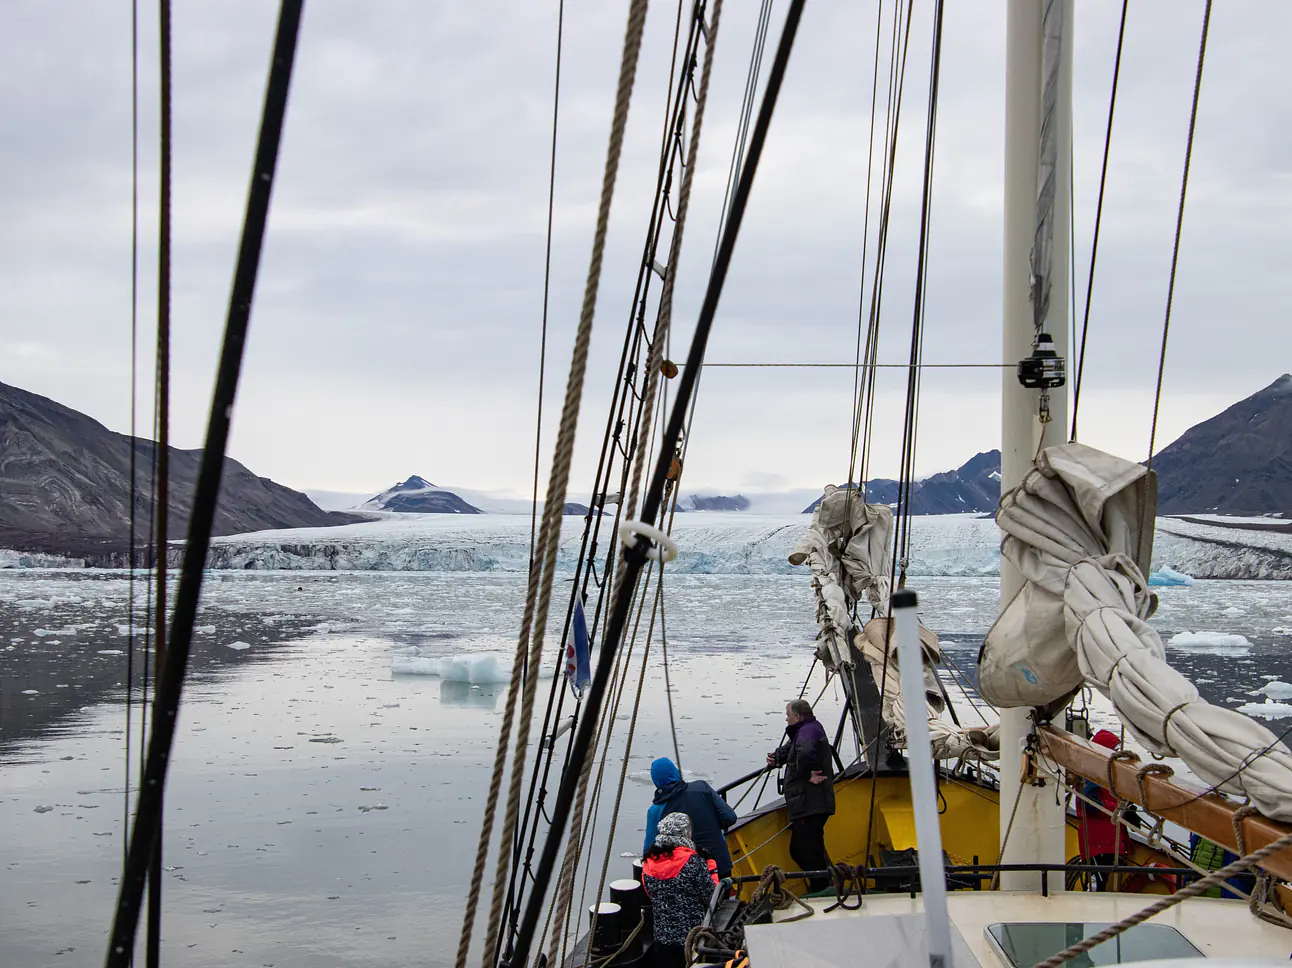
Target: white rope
(539, 591)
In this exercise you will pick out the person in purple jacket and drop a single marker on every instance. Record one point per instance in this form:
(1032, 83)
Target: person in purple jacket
(809, 788)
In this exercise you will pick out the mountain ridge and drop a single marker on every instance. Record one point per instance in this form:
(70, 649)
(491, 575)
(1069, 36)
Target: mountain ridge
(65, 481)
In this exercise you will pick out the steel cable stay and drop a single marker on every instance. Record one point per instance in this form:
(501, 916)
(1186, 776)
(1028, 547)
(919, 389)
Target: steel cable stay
(171, 681)
(636, 555)
(621, 416)
(897, 85)
(865, 246)
(1099, 211)
(917, 329)
(606, 728)
(587, 833)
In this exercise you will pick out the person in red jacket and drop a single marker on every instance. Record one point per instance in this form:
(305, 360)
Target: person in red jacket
(1101, 842)
(679, 882)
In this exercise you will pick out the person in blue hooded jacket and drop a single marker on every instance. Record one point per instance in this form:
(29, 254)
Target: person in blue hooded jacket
(709, 813)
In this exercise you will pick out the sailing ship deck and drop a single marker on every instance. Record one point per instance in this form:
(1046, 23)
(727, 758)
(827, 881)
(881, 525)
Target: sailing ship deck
(1218, 928)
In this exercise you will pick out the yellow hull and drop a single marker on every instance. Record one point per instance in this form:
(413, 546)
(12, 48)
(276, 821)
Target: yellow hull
(970, 815)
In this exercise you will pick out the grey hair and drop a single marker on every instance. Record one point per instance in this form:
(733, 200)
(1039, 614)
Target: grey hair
(801, 708)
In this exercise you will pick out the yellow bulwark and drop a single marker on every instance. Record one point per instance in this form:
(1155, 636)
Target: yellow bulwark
(970, 829)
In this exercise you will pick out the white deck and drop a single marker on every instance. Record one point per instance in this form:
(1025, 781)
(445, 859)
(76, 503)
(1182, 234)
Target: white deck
(1219, 928)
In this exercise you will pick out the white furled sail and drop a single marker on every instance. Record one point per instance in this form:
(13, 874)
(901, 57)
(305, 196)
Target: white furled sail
(847, 549)
(1079, 529)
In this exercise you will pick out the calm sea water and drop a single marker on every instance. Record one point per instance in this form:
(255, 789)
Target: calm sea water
(322, 811)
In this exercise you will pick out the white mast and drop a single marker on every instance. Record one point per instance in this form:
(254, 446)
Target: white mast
(1037, 834)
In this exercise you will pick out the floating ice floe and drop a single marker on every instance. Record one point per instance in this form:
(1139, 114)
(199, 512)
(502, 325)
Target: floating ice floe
(477, 669)
(133, 630)
(1167, 576)
(110, 652)
(237, 646)
(1275, 690)
(1269, 709)
(1209, 640)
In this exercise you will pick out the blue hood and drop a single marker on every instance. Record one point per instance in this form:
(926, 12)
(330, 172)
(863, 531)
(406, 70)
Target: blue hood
(668, 781)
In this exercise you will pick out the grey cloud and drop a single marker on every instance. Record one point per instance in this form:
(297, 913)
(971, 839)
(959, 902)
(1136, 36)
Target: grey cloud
(396, 326)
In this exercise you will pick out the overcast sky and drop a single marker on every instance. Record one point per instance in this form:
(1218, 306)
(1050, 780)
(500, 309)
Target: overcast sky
(396, 323)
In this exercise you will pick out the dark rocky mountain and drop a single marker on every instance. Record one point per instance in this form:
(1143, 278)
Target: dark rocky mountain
(974, 486)
(1238, 462)
(714, 502)
(65, 486)
(419, 496)
(573, 507)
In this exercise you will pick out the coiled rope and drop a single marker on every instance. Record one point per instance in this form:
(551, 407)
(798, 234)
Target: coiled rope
(538, 595)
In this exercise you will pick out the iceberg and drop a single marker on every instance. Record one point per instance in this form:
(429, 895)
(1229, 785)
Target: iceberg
(1269, 709)
(1166, 576)
(1209, 640)
(476, 669)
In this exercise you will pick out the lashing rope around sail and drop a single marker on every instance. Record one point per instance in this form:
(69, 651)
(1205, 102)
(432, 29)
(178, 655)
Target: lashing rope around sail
(539, 593)
(171, 682)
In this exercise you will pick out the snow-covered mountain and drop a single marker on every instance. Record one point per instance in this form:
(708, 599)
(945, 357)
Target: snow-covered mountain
(973, 486)
(419, 496)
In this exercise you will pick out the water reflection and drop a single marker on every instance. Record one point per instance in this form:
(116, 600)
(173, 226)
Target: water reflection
(457, 693)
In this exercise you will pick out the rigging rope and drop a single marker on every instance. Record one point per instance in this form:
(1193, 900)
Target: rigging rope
(622, 398)
(539, 594)
(865, 243)
(162, 450)
(1099, 212)
(581, 835)
(668, 688)
(134, 395)
(171, 682)
(664, 315)
(897, 78)
(632, 729)
(1179, 227)
(547, 279)
(746, 115)
(637, 553)
(900, 47)
(910, 429)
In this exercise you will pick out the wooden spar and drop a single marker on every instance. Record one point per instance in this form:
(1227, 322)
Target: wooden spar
(1177, 800)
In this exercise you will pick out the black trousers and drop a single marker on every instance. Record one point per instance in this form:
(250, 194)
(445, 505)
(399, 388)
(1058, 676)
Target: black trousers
(807, 847)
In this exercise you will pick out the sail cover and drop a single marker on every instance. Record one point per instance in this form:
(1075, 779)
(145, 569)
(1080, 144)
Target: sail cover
(847, 549)
(1073, 529)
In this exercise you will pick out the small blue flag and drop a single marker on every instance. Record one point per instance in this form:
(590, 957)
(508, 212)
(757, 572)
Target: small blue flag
(577, 660)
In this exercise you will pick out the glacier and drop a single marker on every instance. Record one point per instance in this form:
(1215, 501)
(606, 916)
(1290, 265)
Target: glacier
(710, 543)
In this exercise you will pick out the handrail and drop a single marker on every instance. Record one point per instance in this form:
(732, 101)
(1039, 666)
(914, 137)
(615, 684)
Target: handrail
(722, 790)
(1195, 808)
